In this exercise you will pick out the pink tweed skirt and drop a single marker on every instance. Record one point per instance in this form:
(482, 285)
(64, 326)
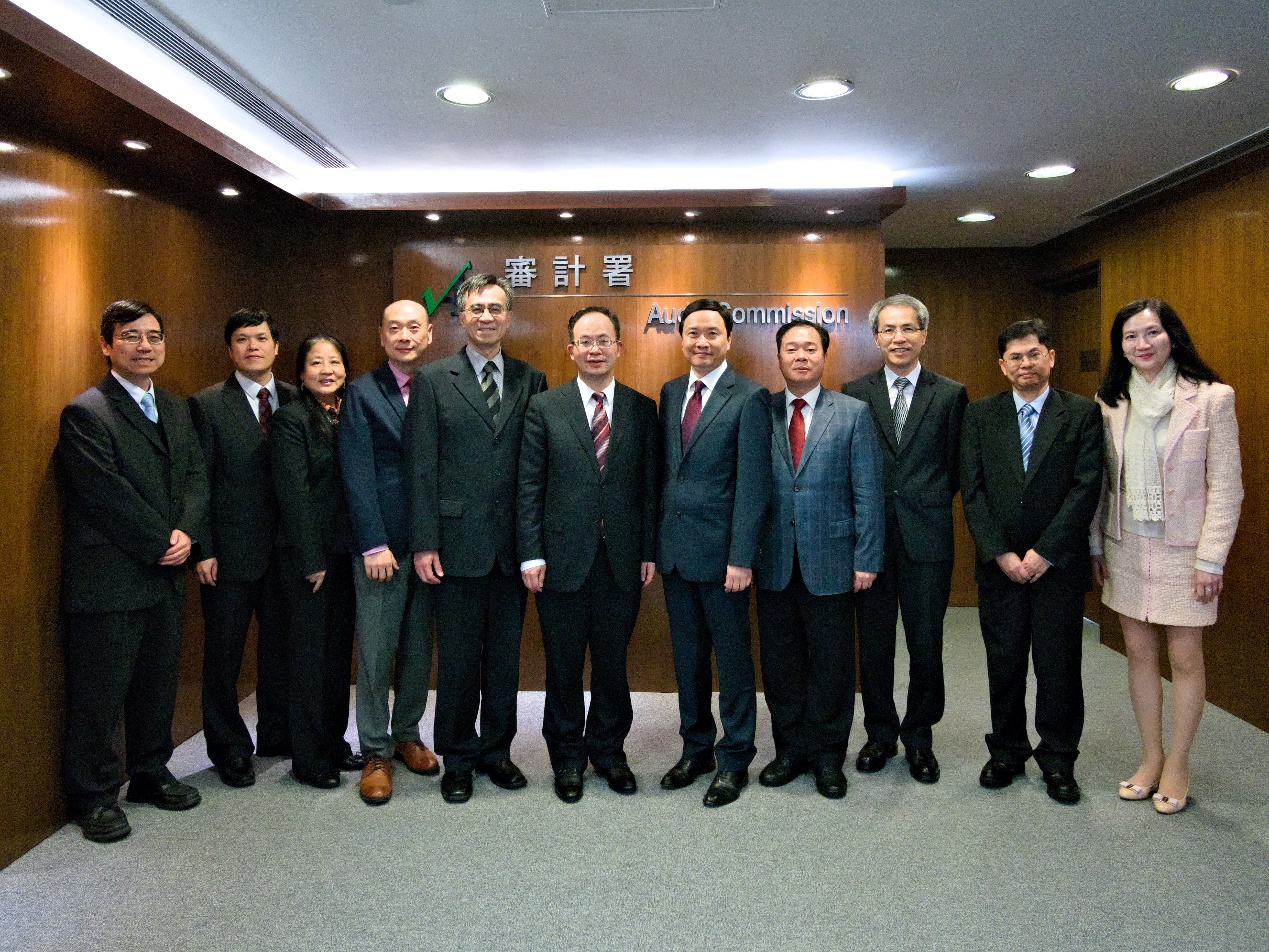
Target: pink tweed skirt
(1152, 581)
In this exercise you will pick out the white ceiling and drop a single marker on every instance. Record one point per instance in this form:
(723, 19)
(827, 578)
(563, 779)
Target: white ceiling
(955, 99)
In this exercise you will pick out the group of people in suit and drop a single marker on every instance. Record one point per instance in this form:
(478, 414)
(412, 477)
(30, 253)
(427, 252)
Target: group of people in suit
(435, 497)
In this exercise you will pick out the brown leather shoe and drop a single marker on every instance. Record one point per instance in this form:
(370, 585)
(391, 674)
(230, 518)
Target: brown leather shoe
(376, 780)
(417, 758)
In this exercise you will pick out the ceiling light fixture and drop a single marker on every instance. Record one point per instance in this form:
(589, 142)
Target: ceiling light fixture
(690, 214)
(4, 73)
(230, 192)
(464, 94)
(121, 192)
(689, 238)
(432, 216)
(812, 236)
(1051, 171)
(577, 239)
(136, 145)
(973, 217)
(566, 214)
(820, 89)
(1202, 79)
(9, 147)
(833, 211)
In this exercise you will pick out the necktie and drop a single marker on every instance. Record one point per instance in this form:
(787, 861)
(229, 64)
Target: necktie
(797, 431)
(1026, 426)
(692, 412)
(405, 391)
(266, 409)
(148, 408)
(900, 406)
(599, 431)
(490, 388)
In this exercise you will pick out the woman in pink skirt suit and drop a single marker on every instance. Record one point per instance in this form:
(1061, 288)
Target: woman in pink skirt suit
(1169, 508)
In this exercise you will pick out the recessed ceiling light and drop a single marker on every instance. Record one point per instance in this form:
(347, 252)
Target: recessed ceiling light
(230, 192)
(121, 192)
(577, 239)
(1051, 171)
(464, 94)
(136, 145)
(833, 211)
(1202, 79)
(690, 214)
(689, 238)
(566, 214)
(4, 73)
(9, 147)
(823, 89)
(976, 217)
(812, 236)
(432, 216)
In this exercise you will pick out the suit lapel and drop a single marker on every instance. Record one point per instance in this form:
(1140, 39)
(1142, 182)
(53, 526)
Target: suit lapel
(922, 394)
(239, 407)
(1184, 409)
(465, 381)
(879, 398)
(131, 412)
(722, 393)
(620, 420)
(387, 382)
(1052, 420)
(1008, 438)
(825, 408)
(575, 414)
(512, 383)
(673, 416)
(780, 426)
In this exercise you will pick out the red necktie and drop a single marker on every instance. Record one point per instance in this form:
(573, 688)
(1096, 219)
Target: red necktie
(266, 409)
(692, 412)
(797, 431)
(599, 431)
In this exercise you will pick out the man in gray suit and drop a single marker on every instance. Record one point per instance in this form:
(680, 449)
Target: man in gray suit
(823, 543)
(716, 432)
(463, 431)
(918, 414)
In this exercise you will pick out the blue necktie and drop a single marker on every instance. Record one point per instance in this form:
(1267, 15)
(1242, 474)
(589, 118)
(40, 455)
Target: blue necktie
(1026, 425)
(148, 408)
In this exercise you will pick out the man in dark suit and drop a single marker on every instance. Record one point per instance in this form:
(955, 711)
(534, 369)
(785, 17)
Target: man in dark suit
(235, 563)
(463, 432)
(135, 498)
(1031, 470)
(823, 543)
(716, 433)
(587, 540)
(394, 608)
(919, 416)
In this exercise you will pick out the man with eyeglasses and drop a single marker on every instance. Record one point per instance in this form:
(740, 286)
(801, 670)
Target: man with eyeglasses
(919, 416)
(135, 501)
(587, 535)
(1031, 473)
(463, 432)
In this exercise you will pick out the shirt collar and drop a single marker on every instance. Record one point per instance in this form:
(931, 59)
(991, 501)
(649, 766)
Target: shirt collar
(478, 360)
(252, 389)
(135, 392)
(588, 392)
(401, 378)
(711, 378)
(891, 376)
(811, 397)
(1037, 404)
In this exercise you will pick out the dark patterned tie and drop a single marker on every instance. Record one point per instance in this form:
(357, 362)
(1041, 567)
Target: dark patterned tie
(797, 431)
(1026, 428)
(599, 431)
(692, 412)
(900, 406)
(489, 387)
(266, 410)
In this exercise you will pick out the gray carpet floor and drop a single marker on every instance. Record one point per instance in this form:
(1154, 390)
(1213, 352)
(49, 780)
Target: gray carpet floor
(895, 865)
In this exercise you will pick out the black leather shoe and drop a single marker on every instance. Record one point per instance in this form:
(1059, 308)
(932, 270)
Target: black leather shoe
(321, 779)
(784, 769)
(874, 756)
(923, 765)
(568, 784)
(104, 824)
(164, 791)
(684, 773)
(456, 786)
(1062, 786)
(830, 782)
(620, 777)
(236, 772)
(353, 760)
(504, 774)
(996, 773)
(725, 787)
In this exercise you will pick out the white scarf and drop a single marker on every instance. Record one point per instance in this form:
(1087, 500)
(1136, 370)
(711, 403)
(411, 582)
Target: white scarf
(1149, 409)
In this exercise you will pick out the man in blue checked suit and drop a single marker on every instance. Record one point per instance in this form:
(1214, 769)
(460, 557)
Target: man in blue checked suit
(823, 542)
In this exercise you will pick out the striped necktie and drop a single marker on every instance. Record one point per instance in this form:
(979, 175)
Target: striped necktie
(489, 387)
(600, 429)
(266, 409)
(900, 408)
(1026, 427)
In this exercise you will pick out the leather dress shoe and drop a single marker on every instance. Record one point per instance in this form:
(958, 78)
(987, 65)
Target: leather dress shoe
(417, 758)
(163, 791)
(504, 774)
(376, 780)
(996, 773)
(353, 760)
(725, 787)
(874, 756)
(620, 777)
(568, 784)
(685, 772)
(456, 786)
(236, 771)
(784, 769)
(1061, 786)
(104, 824)
(923, 765)
(830, 782)
(321, 779)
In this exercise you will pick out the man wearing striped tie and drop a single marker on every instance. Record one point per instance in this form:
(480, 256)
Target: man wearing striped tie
(1031, 470)
(587, 513)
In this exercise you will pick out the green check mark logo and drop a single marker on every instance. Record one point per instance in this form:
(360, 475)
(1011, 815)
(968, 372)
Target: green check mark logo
(432, 303)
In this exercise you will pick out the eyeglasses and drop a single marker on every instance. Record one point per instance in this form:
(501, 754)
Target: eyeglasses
(135, 337)
(1014, 360)
(908, 331)
(586, 343)
(495, 310)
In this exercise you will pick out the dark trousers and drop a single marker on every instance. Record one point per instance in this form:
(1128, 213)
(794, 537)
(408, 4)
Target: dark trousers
(920, 590)
(478, 626)
(227, 610)
(808, 670)
(320, 643)
(119, 663)
(601, 616)
(1044, 619)
(706, 618)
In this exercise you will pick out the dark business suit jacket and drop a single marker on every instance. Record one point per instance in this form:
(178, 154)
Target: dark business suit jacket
(372, 457)
(313, 517)
(464, 465)
(716, 490)
(922, 473)
(128, 485)
(243, 508)
(1050, 506)
(563, 499)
